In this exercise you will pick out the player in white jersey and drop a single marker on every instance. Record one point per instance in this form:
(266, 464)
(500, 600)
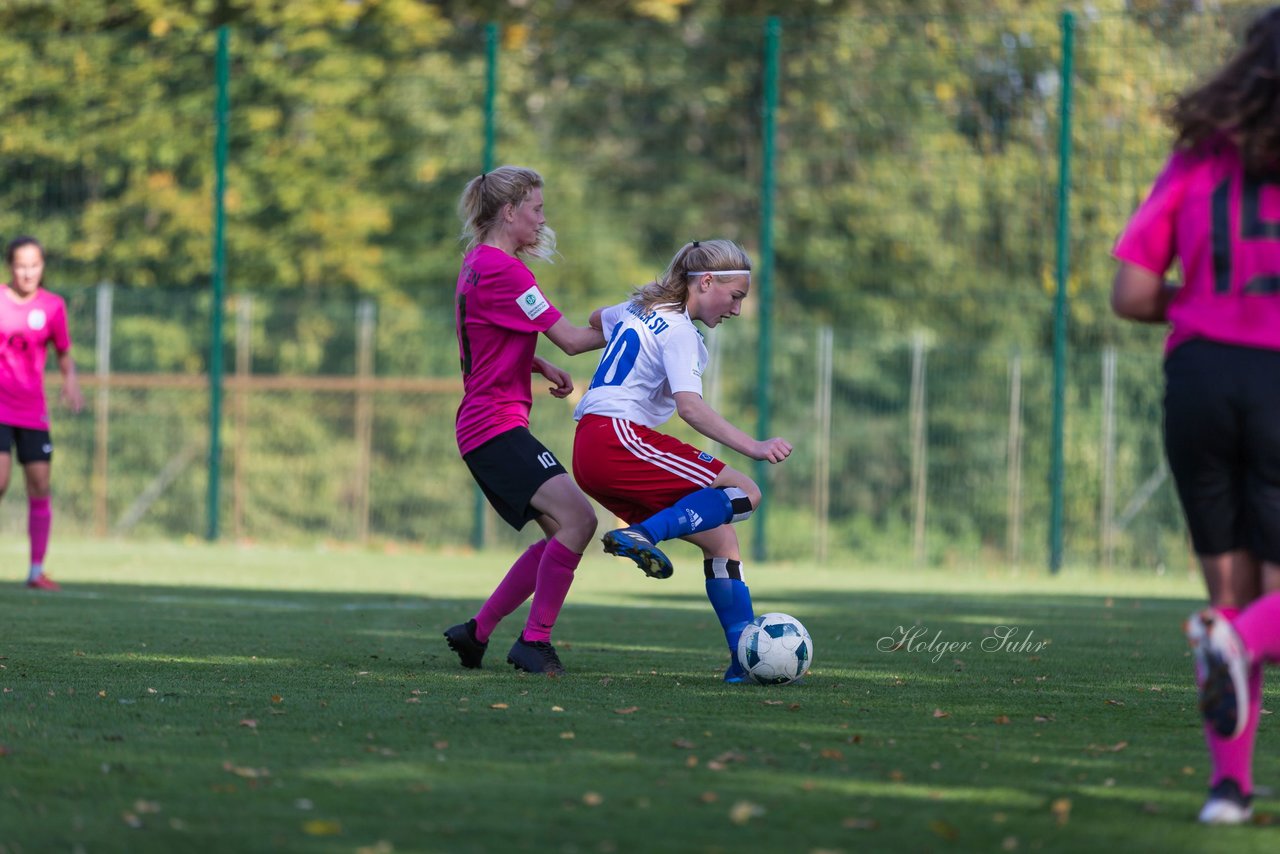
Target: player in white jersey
(664, 488)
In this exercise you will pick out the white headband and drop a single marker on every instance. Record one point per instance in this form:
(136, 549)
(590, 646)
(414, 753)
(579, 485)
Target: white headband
(719, 273)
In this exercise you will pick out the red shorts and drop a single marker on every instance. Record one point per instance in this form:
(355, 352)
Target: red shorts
(634, 471)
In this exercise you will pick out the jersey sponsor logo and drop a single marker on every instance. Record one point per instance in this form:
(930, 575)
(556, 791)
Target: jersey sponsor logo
(705, 457)
(36, 319)
(532, 303)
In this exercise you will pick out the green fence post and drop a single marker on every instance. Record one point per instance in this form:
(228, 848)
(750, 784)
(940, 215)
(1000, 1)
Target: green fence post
(221, 116)
(1056, 474)
(764, 276)
(490, 134)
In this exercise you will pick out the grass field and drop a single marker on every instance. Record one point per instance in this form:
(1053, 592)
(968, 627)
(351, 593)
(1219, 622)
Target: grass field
(188, 697)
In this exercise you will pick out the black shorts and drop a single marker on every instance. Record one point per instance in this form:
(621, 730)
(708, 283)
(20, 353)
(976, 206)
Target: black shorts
(34, 446)
(510, 468)
(1222, 437)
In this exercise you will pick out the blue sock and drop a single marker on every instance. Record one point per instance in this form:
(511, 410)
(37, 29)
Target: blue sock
(731, 600)
(698, 511)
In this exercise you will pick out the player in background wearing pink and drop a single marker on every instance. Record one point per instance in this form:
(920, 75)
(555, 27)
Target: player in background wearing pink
(666, 489)
(31, 318)
(499, 312)
(1216, 208)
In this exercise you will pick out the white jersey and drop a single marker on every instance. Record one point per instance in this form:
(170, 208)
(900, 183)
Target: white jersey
(651, 355)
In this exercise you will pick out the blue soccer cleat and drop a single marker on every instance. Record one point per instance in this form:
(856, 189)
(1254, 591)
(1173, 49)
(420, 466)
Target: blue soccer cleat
(736, 674)
(632, 543)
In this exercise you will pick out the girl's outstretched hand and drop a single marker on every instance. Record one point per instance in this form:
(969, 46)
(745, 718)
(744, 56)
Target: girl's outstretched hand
(774, 450)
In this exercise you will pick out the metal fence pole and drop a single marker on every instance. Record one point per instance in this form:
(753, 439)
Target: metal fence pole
(1057, 464)
(764, 279)
(221, 111)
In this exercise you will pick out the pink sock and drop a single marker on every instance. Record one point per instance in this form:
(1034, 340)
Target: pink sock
(515, 587)
(1233, 757)
(39, 520)
(1259, 628)
(555, 574)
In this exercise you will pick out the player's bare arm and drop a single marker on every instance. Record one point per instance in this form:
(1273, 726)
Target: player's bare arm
(562, 381)
(575, 339)
(699, 415)
(1141, 295)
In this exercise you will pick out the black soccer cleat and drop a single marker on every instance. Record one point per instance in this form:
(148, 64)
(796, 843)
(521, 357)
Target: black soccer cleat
(535, 657)
(462, 640)
(632, 543)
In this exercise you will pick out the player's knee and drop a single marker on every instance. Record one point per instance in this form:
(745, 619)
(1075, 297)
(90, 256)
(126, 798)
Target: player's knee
(742, 501)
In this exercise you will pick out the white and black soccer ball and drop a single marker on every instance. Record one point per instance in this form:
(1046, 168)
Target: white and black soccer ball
(775, 649)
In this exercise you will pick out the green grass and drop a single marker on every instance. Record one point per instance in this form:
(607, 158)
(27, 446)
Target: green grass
(186, 697)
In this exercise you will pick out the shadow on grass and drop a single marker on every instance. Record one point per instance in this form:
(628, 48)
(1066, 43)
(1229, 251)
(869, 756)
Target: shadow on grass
(156, 717)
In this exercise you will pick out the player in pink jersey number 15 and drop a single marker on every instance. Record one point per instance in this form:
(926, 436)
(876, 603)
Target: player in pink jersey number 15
(1215, 208)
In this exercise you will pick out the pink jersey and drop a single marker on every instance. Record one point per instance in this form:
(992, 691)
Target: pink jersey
(1225, 230)
(26, 328)
(499, 312)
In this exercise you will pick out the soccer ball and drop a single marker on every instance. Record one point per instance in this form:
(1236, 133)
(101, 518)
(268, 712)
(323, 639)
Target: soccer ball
(775, 649)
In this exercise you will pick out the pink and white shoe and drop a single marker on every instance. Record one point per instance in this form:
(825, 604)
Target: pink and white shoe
(1222, 669)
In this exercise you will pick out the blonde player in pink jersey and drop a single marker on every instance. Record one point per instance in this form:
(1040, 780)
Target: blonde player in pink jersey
(499, 313)
(31, 319)
(667, 489)
(1216, 208)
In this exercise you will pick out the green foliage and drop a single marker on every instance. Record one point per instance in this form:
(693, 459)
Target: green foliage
(916, 177)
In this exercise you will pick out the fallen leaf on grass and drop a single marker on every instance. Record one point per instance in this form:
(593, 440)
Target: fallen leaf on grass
(567, 735)
(131, 820)
(743, 811)
(249, 722)
(683, 744)
(1044, 719)
(831, 753)
(944, 829)
(1003, 719)
(1108, 748)
(1115, 702)
(276, 698)
(860, 824)
(322, 827)
(708, 797)
(627, 711)
(771, 702)
(244, 771)
(938, 713)
(146, 807)
(1061, 809)
(497, 705)
(593, 799)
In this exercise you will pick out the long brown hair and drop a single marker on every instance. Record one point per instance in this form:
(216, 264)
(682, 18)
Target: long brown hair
(1240, 100)
(703, 256)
